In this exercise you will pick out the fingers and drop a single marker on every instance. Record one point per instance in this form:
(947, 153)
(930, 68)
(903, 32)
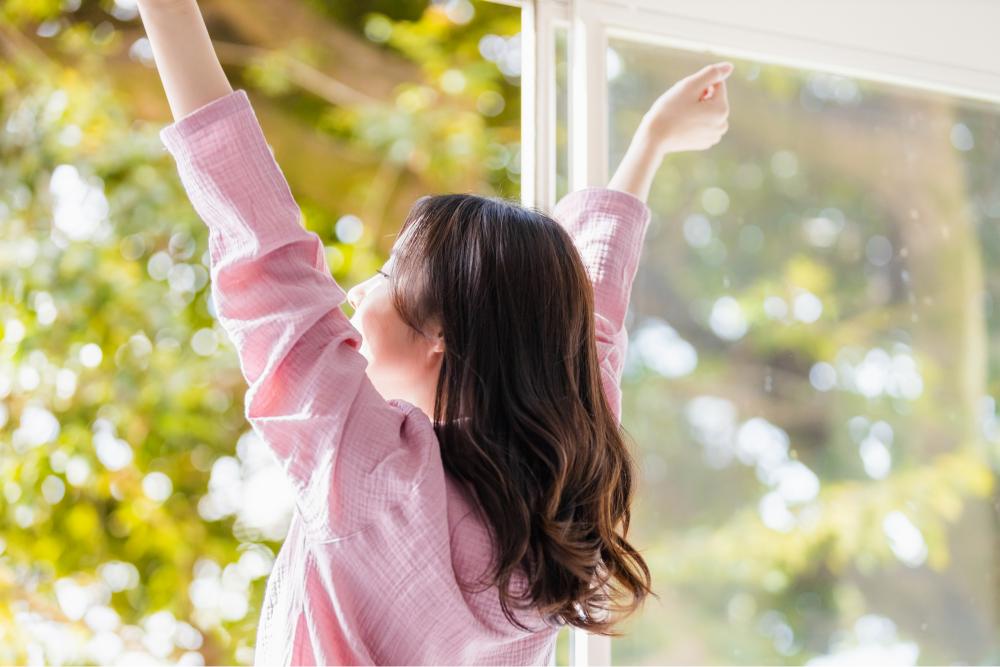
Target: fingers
(721, 96)
(717, 97)
(711, 92)
(710, 75)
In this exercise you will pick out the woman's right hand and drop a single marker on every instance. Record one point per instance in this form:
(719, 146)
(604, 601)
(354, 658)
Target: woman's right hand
(692, 115)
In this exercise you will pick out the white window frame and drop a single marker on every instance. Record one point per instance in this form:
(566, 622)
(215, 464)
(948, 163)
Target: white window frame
(923, 44)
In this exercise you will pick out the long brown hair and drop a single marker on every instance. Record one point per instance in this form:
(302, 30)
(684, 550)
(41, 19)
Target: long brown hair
(519, 409)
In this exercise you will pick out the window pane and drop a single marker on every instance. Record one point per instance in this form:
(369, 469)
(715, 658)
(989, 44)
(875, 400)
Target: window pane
(562, 112)
(814, 348)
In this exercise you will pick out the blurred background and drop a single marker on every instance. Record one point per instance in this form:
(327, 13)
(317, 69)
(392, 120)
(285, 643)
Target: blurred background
(814, 335)
(815, 331)
(140, 515)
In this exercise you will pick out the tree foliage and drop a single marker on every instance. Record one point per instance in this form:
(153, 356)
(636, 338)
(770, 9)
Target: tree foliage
(811, 379)
(140, 514)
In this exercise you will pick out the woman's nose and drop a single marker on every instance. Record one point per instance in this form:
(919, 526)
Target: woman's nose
(357, 294)
(354, 296)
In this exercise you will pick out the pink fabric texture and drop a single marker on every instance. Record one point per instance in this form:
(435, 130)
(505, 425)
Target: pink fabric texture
(381, 537)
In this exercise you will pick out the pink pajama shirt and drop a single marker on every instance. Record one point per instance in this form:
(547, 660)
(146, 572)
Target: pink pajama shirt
(380, 535)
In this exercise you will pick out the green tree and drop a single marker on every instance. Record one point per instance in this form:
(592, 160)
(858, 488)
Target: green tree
(129, 474)
(811, 379)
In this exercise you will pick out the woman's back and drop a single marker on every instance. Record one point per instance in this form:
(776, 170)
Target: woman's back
(391, 593)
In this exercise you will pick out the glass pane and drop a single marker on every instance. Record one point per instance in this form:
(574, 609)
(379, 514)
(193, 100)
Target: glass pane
(562, 647)
(562, 112)
(814, 356)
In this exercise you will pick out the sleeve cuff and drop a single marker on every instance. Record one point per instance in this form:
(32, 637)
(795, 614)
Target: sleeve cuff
(625, 203)
(625, 218)
(175, 135)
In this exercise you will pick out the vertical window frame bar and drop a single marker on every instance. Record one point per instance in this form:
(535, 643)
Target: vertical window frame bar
(588, 167)
(588, 97)
(538, 103)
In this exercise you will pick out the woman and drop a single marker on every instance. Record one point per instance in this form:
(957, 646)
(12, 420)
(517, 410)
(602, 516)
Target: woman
(462, 484)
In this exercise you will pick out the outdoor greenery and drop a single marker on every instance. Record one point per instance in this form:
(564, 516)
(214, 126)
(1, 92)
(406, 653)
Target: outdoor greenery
(140, 514)
(813, 372)
(814, 339)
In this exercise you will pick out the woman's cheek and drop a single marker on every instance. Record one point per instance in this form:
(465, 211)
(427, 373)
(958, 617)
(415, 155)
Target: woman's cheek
(369, 335)
(375, 337)
(389, 365)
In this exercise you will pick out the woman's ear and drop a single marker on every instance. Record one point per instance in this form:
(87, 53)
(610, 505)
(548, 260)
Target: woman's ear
(434, 338)
(438, 342)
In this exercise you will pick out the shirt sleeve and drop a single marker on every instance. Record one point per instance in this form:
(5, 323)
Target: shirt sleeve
(348, 453)
(608, 228)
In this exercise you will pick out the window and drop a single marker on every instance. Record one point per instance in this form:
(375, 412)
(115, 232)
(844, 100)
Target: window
(809, 380)
(815, 326)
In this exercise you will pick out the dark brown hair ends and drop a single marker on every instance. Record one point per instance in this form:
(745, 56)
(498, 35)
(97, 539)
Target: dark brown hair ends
(520, 412)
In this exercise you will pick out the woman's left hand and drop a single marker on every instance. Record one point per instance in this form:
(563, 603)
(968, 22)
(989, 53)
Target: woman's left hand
(692, 115)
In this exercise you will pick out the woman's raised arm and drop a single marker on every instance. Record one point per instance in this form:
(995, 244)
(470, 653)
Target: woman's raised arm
(191, 73)
(608, 225)
(349, 454)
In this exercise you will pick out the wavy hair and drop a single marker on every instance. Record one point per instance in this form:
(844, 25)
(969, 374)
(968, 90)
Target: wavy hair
(519, 410)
